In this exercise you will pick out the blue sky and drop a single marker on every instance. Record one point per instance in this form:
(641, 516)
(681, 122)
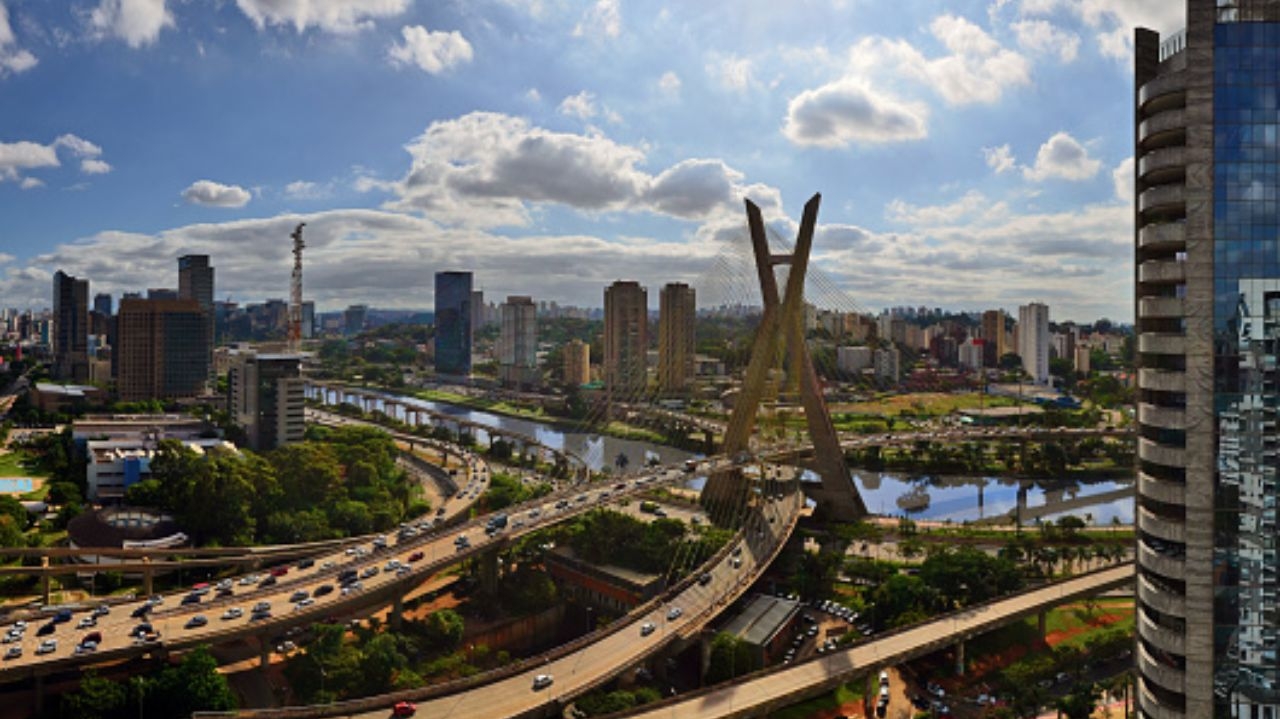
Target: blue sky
(970, 154)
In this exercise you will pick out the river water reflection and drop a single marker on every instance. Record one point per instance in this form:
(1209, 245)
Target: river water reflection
(954, 498)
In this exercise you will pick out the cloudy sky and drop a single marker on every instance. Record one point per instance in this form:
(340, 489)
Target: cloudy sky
(970, 154)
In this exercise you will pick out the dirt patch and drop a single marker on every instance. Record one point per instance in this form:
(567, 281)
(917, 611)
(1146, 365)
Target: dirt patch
(1099, 621)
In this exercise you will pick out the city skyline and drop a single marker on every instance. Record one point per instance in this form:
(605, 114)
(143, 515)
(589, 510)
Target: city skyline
(654, 143)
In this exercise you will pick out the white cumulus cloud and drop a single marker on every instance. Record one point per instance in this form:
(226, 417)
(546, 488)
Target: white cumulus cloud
(94, 167)
(1122, 176)
(432, 51)
(137, 22)
(1063, 157)
(214, 194)
(669, 83)
(1043, 37)
(336, 16)
(731, 72)
(13, 59)
(602, 19)
(999, 158)
(846, 112)
(582, 105)
(18, 157)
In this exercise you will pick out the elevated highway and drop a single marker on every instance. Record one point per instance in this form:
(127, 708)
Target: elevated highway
(758, 694)
(437, 548)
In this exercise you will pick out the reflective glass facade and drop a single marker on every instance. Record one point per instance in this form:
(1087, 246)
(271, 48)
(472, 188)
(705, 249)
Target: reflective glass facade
(453, 323)
(1246, 179)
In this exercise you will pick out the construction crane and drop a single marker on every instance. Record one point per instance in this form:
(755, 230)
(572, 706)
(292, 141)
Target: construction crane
(295, 292)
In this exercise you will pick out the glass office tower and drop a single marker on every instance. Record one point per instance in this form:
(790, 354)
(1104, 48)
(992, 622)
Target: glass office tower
(453, 323)
(1208, 321)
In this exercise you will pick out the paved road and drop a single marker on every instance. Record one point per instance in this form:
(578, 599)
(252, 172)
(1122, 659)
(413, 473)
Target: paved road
(772, 690)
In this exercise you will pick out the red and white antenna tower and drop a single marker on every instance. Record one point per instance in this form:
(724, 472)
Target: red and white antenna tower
(295, 292)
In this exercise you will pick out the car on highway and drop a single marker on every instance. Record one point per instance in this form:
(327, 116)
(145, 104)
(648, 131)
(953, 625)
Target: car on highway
(196, 622)
(416, 557)
(322, 590)
(705, 579)
(267, 581)
(298, 596)
(306, 563)
(101, 610)
(259, 615)
(674, 613)
(13, 653)
(542, 681)
(403, 709)
(279, 571)
(371, 571)
(86, 622)
(646, 629)
(48, 646)
(141, 629)
(352, 588)
(94, 638)
(46, 629)
(63, 615)
(232, 613)
(303, 604)
(192, 598)
(248, 579)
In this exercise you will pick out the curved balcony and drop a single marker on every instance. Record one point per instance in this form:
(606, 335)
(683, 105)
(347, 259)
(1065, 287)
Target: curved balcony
(1162, 454)
(1160, 599)
(1168, 89)
(1163, 236)
(1162, 380)
(1161, 490)
(1163, 130)
(1163, 199)
(1163, 343)
(1154, 415)
(1175, 680)
(1162, 271)
(1166, 639)
(1167, 164)
(1165, 566)
(1150, 706)
(1152, 523)
(1155, 307)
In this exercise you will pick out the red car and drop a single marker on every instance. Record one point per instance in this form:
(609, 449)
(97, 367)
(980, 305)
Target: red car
(403, 709)
(416, 556)
(279, 571)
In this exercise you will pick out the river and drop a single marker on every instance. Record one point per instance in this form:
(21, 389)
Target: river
(954, 498)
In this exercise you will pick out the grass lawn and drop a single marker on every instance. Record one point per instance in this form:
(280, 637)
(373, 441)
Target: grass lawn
(842, 695)
(1072, 625)
(923, 404)
(13, 464)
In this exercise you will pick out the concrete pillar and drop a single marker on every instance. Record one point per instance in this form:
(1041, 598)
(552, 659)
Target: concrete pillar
(1042, 622)
(44, 579)
(397, 612)
(264, 653)
(488, 566)
(960, 658)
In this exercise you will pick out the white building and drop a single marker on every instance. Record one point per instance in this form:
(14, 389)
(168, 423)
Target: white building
(971, 354)
(888, 365)
(114, 465)
(518, 343)
(852, 360)
(1033, 341)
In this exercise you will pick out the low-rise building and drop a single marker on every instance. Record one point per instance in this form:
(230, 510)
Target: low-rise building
(59, 398)
(602, 585)
(766, 625)
(114, 465)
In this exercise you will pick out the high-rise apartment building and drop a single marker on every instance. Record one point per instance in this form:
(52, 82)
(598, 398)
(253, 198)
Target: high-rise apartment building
(102, 304)
(626, 340)
(453, 323)
(577, 363)
(993, 335)
(353, 320)
(477, 311)
(162, 349)
(70, 328)
(518, 343)
(265, 396)
(1033, 341)
(308, 320)
(195, 282)
(677, 312)
(1208, 323)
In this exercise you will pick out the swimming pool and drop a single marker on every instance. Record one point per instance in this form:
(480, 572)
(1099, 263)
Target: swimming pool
(15, 485)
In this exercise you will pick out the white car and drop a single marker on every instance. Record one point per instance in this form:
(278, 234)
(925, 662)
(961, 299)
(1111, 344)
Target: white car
(542, 681)
(232, 613)
(48, 646)
(674, 613)
(646, 629)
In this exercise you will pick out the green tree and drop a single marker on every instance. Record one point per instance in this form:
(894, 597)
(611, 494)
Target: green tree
(96, 698)
(12, 508)
(444, 628)
(730, 657)
(193, 685)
